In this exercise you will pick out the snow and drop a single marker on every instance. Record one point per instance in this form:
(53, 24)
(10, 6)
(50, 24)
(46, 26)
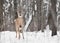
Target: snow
(30, 37)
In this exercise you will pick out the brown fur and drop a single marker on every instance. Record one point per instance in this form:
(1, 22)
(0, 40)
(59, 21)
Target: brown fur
(19, 26)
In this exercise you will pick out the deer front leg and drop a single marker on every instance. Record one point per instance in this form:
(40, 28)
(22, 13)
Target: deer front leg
(21, 31)
(17, 33)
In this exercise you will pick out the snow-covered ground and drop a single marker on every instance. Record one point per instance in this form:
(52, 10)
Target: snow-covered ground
(30, 37)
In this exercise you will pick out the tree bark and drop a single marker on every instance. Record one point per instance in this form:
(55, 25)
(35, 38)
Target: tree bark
(52, 17)
(39, 13)
(1, 14)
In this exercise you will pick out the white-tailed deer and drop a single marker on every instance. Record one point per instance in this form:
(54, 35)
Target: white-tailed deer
(19, 22)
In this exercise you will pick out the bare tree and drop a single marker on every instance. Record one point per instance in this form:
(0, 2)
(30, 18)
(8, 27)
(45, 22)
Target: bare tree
(35, 15)
(8, 16)
(52, 17)
(1, 14)
(40, 15)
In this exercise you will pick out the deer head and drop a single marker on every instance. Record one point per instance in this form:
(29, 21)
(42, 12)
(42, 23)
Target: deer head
(19, 11)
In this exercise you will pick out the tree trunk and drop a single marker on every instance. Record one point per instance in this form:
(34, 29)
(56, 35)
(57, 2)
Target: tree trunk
(52, 18)
(1, 14)
(39, 13)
